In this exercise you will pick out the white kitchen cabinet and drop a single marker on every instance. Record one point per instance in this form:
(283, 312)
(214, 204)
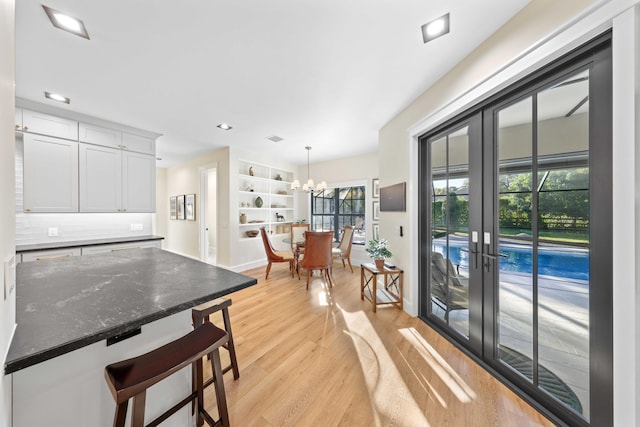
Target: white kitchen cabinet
(118, 247)
(46, 124)
(116, 139)
(50, 174)
(100, 135)
(114, 166)
(139, 144)
(50, 254)
(100, 178)
(138, 182)
(18, 118)
(113, 180)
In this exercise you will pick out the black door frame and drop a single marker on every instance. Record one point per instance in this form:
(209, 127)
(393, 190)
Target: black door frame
(595, 55)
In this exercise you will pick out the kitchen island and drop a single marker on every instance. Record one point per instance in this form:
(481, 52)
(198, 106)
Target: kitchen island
(69, 312)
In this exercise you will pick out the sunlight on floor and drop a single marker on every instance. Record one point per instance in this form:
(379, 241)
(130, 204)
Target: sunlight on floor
(447, 374)
(323, 299)
(391, 399)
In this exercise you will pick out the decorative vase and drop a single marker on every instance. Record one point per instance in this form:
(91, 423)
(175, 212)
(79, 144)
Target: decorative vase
(258, 202)
(243, 219)
(379, 263)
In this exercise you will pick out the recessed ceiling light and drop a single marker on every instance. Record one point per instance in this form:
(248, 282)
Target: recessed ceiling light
(436, 28)
(67, 23)
(274, 138)
(57, 97)
(224, 126)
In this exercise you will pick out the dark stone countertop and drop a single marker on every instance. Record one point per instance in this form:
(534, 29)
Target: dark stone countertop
(65, 304)
(87, 242)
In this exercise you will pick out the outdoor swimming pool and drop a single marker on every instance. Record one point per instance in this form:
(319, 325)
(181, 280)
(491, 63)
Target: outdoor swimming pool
(568, 263)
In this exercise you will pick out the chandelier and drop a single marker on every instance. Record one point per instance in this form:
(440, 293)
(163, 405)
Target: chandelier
(309, 187)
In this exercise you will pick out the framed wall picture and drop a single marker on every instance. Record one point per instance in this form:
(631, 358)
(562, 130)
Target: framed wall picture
(376, 231)
(375, 188)
(181, 207)
(173, 212)
(376, 210)
(190, 206)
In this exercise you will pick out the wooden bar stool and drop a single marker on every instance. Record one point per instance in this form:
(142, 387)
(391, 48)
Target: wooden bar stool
(132, 377)
(200, 314)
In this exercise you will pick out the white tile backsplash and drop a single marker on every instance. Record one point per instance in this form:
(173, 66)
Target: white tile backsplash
(34, 227)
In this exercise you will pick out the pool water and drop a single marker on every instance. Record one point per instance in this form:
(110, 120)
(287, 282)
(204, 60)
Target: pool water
(568, 263)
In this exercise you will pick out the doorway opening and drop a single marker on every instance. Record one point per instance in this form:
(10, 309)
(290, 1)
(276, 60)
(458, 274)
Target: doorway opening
(208, 213)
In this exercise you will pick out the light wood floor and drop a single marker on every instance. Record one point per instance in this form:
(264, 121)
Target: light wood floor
(323, 358)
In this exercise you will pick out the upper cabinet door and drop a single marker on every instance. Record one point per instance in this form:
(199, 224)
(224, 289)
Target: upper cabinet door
(45, 124)
(139, 144)
(100, 135)
(50, 174)
(138, 182)
(100, 179)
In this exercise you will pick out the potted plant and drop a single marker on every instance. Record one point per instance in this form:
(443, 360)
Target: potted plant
(379, 251)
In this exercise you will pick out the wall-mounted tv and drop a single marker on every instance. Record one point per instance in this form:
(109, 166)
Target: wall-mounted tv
(393, 198)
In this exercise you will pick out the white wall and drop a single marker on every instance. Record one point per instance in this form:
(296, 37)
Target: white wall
(7, 204)
(183, 236)
(542, 32)
(161, 217)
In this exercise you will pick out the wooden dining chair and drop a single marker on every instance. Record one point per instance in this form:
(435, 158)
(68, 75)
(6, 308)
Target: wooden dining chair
(343, 250)
(273, 255)
(317, 254)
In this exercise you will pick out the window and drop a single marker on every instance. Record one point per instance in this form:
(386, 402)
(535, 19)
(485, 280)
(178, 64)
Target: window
(333, 208)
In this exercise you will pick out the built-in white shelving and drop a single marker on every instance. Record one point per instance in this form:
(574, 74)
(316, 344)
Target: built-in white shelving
(265, 198)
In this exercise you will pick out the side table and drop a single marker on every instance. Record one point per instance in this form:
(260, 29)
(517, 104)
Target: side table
(388, 291)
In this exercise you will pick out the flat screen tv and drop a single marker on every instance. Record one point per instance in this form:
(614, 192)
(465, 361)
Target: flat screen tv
(393, 198)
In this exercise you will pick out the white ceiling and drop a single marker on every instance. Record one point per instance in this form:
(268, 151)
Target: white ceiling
(324, 73)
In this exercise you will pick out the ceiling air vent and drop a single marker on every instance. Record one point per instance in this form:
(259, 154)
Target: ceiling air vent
(274, 138)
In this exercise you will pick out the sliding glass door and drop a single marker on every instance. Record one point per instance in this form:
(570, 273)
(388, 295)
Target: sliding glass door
(516, 211)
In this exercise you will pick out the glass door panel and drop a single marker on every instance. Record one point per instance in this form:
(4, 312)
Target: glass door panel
(542, 250)
(439, 243)
(515, 254)
(563, 240)
(449, 290)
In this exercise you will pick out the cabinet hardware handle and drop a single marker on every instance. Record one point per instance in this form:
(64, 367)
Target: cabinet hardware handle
(27, 210)
(17, 126)
(26, 128)
(52, 257)
(124, 210)
(124, 147)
